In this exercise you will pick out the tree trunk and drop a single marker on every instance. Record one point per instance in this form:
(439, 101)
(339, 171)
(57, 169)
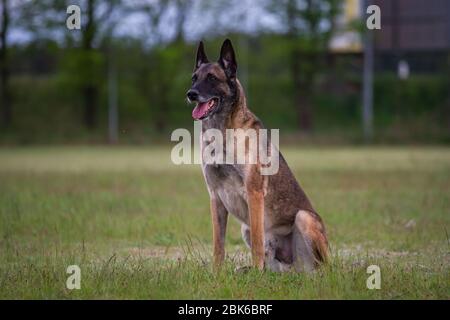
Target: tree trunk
(90, 94)
(301, 78)
(304, 110)
(303, 93)
(181, 18)
(163, 109)
(89, 90)
(5, 95)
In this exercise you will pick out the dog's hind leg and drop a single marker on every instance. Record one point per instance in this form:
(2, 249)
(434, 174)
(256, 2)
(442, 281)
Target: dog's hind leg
(309, 241)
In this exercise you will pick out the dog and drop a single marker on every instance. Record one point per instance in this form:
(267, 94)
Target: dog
(278, 222)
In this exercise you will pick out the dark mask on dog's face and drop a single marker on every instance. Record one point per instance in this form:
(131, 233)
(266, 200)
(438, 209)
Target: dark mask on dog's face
(213, 83)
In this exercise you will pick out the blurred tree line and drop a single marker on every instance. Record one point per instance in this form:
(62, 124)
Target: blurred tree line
(61, 85)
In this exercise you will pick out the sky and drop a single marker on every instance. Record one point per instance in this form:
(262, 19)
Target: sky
(220, 17)
(243, 15)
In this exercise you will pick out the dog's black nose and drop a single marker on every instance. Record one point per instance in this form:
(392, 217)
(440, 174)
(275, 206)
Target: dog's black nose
(192, 94)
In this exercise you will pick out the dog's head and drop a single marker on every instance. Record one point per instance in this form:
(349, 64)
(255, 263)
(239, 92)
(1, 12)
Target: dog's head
(213, 83)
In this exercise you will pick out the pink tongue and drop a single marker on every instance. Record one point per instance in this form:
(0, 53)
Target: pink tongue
(201, 109)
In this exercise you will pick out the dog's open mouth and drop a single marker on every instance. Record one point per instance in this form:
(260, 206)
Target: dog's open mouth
(203, 109)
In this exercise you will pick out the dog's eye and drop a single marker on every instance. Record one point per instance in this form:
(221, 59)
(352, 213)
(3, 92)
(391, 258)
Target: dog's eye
(194, 78)
(211, 77)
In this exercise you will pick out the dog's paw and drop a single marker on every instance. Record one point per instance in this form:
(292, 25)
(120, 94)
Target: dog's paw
(243, 269)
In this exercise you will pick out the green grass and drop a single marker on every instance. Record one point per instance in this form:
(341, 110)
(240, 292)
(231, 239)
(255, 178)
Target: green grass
(139, 227)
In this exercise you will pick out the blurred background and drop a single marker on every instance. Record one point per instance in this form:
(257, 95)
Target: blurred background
(309, 67)
(85, 123)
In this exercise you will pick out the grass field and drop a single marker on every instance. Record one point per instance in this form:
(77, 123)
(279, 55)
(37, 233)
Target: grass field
(139, 227)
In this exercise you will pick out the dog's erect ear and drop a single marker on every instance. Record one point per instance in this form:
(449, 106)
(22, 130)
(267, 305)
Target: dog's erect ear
(228, 59)
(201, 56)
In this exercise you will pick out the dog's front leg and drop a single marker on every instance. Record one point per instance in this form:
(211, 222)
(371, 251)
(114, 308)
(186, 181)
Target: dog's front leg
(254, 185)
(219, 217)
(256, 208)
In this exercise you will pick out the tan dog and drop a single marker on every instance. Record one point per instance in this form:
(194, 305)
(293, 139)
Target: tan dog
(279, 223)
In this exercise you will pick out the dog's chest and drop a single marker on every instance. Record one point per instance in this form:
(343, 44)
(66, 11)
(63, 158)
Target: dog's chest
(226, 182)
